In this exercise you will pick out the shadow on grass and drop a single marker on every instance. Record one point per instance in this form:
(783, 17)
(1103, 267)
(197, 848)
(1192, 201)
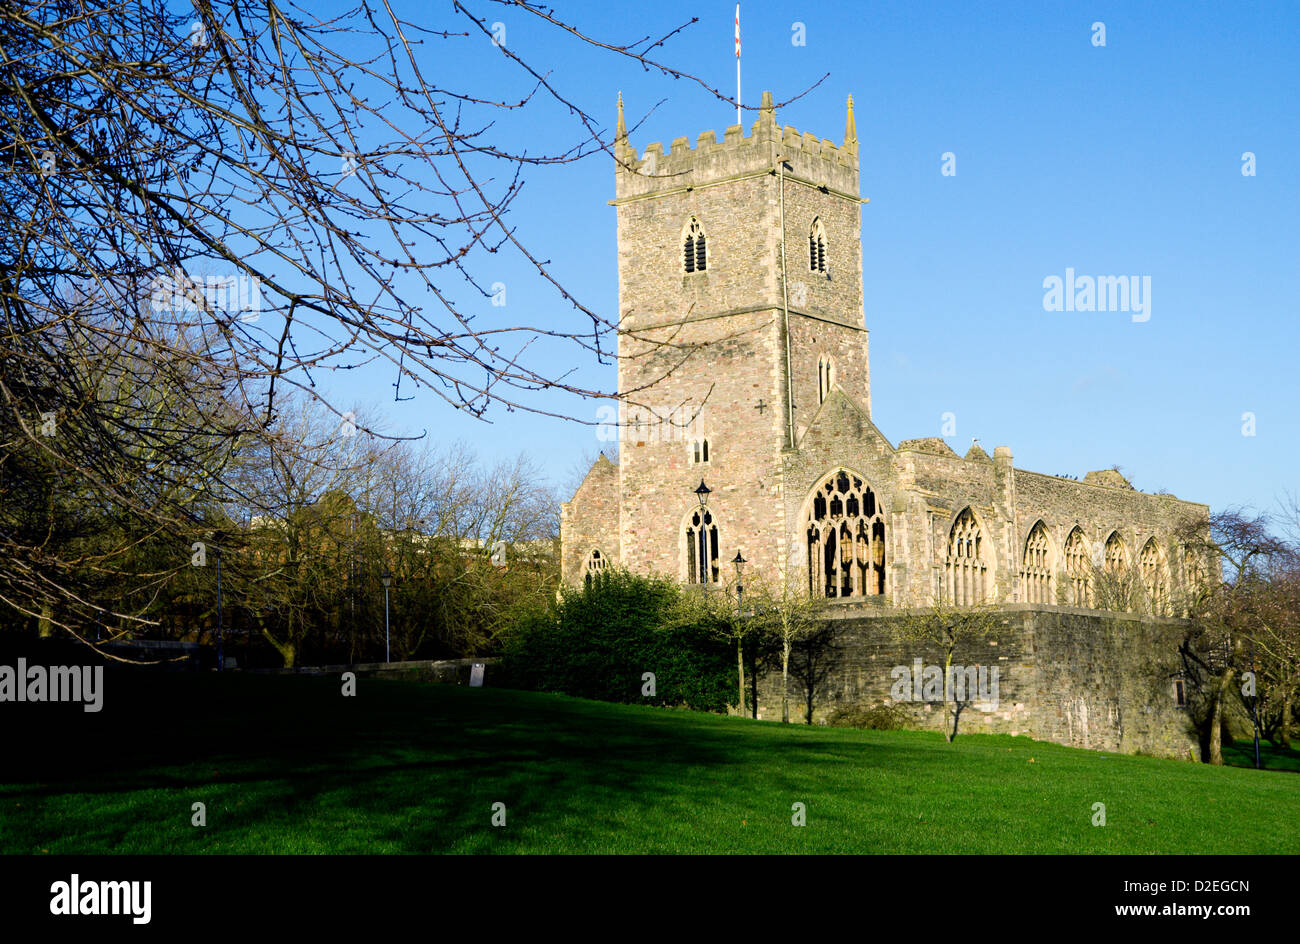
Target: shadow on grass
(1242, 754)
(431, 759)
(290, 765)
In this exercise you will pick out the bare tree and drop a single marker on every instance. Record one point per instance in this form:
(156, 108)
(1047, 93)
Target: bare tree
(813, 659)
(1241, 549)
(1119, 588)
(112, 459)
(297, 483)
(1273, 641)
(290, 195)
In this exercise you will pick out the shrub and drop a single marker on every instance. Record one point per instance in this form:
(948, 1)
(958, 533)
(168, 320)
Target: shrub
(883, 717)
(598, 640)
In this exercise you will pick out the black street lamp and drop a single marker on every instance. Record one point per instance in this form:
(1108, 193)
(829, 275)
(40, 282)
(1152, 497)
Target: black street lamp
(702, 559)
(387, 578)
(739, 563)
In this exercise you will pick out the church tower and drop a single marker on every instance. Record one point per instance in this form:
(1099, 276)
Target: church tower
(740, 306)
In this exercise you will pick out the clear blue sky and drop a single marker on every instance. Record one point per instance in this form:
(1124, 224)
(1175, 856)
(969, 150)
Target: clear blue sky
(1117, 160)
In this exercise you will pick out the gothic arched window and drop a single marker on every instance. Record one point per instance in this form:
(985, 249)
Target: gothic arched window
(1152, 567)
(825, 377)
(1038, 566)
(701, 547)
(817, 247)
(1193, 568)
(1077, 568)
(596, 564)
(965, 570)
(694, 253)
(1115, 560)
(700, 450)
(846, 539)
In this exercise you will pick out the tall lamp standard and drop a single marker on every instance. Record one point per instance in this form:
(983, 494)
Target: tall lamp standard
(739, 563)
(387, 578)
(702, 493)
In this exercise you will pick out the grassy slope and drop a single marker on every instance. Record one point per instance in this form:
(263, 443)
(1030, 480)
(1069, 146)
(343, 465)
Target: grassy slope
(288, 765)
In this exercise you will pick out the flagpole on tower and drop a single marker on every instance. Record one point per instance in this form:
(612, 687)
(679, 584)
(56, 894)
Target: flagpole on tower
(738, 121)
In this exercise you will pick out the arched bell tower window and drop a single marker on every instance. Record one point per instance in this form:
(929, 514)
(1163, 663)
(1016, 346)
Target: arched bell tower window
(817, 247)
(695, 255)
(825, 377)
(699, 451)
(702, 547)
(965, 569)
(846, 539)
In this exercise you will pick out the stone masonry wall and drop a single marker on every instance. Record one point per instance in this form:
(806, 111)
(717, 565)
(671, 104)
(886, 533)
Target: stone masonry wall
(658, 471)
(590, 522)
(1079, 678)
(1107, 682)
(810, 340)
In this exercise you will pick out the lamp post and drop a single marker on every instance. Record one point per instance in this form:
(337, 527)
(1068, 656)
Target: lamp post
(702, 493)
(739, 563)
(387, 578)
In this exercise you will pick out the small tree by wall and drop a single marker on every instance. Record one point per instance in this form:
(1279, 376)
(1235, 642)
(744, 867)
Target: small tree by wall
(788, 614)
(812, 660)
(947, 627)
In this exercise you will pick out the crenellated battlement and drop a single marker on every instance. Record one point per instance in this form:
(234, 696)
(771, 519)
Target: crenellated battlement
(819, 161)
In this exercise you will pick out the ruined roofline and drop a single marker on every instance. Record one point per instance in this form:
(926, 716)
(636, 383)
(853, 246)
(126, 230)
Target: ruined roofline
(1112, 488)
(861, 608)
(930, 446)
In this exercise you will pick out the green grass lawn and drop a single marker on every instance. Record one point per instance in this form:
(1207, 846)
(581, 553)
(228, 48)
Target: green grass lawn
(288, 765)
